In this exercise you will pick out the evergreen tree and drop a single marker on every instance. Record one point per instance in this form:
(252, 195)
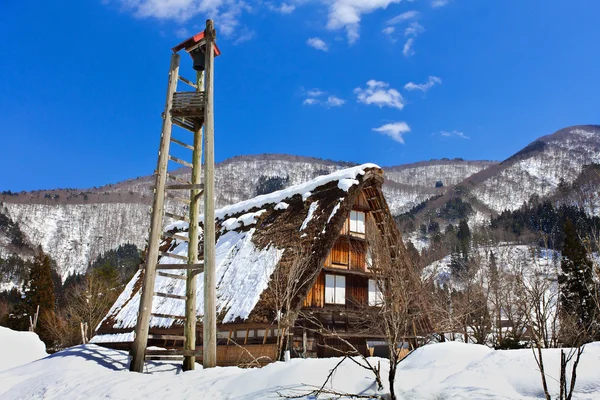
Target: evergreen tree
(39, 291)
(40, 286)
(576, 281)
(464, 238)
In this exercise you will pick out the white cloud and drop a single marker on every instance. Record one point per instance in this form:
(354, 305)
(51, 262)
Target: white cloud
(407, 50)
(439, 3)
(347, 14)
(405, 16)
(283, 8)
(389, 30)
(333, 101)
(414, 29)
(395, 130)
(432, 80)
(245, 36)
(317, 44)
(380, 94)
(225, 13)
(313, 97)
(457, 134)
(314, 93)
(182, 33)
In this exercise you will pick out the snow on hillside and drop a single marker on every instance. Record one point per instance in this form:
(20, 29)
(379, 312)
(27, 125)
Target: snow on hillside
(427, 174)
(18, 348)
(75, 234)
(560, 156)
(445, 370)
(509, 257)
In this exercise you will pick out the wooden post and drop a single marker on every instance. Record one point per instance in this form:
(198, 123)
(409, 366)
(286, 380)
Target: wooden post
(143, 322)
(210, 292)
(189, 362)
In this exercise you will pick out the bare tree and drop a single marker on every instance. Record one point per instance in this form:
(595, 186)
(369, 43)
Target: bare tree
(288, 280)
(85, 304)
(395, 306)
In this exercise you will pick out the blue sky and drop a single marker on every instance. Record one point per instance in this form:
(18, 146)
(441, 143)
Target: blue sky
(384, 81)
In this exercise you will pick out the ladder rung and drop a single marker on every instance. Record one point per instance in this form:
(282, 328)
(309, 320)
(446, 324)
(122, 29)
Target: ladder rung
(188, 82)
(174, 352)
(179, 142)
(179, 199)
(173, 255)
(172, 276)
(170, 316)
(179, 161)
(170, 296)
(163, 358)
(178, 179)
(177, 217)
(165, 337)
(187, 186)
(182, 123)
(176, 236)
(199, 266)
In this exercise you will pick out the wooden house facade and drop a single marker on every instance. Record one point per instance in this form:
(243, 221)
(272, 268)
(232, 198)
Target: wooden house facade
(324, 223)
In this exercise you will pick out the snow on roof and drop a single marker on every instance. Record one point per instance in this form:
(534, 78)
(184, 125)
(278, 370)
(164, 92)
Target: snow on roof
(346, 177)
(247, 250)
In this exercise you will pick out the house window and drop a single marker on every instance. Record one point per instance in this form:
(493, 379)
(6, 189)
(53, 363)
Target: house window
(335, 289)
(375, 295)
(357, 222)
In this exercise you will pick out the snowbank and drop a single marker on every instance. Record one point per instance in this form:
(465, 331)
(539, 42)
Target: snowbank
(440, 371)
(18, 348)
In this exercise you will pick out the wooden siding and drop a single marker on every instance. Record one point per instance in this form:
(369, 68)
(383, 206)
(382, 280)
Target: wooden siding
(236, 355)
(361, 202)
(316, 295)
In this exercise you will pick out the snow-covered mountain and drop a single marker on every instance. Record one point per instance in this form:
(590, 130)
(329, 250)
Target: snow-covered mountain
(75, 226)
(538, 168)
(565, 161)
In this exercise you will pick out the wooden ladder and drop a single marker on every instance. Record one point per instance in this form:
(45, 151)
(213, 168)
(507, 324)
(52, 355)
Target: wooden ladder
(185, 110)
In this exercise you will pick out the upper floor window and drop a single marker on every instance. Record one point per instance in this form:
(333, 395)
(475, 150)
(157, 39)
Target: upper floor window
(357, 221)
(335, 289)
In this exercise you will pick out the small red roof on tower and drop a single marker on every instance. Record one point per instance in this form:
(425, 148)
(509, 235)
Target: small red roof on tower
(186, 44)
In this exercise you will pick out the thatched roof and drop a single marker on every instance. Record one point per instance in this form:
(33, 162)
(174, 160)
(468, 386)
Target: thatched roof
(254, 237)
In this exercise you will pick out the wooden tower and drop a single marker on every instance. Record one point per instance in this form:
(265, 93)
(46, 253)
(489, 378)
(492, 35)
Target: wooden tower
(191, 111)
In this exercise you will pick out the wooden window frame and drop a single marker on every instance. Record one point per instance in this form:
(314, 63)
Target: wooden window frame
(335, 289)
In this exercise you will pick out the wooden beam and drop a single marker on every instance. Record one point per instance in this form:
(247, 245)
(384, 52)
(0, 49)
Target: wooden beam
(176, 236)
(143, 321)
(170, 316)
(179, 142)
(172, 276)
(173, 255)
(188, 82)
(169, 296)
(210, 295)
(197, 266)
(177, 217)
(180, 161)
(160, 336)
(189, 328)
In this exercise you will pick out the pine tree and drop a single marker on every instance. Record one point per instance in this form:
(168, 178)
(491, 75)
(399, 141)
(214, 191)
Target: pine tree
(40, 286)
(464, 238)
(39, 291)
(576, 281)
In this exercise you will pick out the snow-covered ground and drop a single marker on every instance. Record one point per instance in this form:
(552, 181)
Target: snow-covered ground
(437, 371)
(18, 348)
